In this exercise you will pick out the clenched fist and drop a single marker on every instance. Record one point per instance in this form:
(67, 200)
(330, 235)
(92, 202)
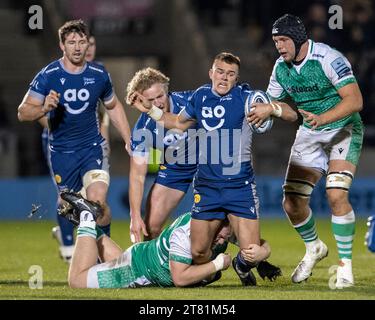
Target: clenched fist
(51, 101)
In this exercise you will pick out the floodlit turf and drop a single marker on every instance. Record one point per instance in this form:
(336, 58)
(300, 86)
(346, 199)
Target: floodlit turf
(24, 244)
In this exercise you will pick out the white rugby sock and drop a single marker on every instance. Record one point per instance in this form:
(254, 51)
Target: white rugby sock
(87, 220)
(87, 225)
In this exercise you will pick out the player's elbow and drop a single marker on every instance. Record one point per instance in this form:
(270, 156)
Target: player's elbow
(20, 114)
(180, 281)
(359, 103)
(20, 118)
(23, 113)
(293, 116)
(355, 100)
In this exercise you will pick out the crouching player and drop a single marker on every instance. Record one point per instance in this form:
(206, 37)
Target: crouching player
(165, 261)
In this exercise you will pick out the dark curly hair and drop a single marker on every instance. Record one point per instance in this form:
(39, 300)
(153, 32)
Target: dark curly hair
(78, 26)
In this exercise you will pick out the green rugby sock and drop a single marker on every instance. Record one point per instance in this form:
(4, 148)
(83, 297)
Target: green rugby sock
(343, 228)
(86, 232)
(307, 230)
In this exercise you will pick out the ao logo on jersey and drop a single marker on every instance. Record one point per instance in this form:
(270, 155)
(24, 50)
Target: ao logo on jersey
(171, 139)
(217, 112)
(71, 95)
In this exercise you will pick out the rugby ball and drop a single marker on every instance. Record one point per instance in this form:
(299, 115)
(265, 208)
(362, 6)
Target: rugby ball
(260, 97)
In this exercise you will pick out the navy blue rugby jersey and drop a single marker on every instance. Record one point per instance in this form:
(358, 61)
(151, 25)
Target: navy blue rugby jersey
(178, 148)
(224, 135)
(74, 124)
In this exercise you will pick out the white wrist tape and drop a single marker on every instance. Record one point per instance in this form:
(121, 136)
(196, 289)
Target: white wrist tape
(277, 109)
(155, 113)
(219, 262)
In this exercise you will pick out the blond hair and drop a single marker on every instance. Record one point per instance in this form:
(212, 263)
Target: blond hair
(143, 80)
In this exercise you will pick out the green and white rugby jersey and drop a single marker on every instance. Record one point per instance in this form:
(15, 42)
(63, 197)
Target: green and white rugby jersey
(314, 83)
(151, 258)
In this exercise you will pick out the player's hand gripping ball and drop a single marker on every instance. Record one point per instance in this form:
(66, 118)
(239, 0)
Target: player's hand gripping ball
(258, 96)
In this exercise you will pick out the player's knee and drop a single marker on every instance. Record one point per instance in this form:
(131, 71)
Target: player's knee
(97, 195)
(297, 194)
(96, 181)
(337, 200)
(154, 231)
(200, 255)
(291, 204)
(339, 180)
(76, 282)
(337, 187)
(298, 188)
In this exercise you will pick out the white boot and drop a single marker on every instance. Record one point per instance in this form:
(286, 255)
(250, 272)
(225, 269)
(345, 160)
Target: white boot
(313, 255)
(344, 274)
(66, 252)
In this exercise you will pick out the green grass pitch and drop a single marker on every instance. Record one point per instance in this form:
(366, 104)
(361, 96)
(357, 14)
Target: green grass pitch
(24, 244)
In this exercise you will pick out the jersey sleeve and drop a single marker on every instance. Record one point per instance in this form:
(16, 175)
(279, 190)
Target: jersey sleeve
(275, 91)
(180, 246)
(245, 91)
(108, 92)
(189, 111)
(142, 136)
(338, 69)
(182, 96)
(38, 87)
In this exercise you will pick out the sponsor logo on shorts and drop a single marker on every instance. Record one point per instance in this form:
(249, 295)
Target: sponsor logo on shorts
(162, 174)
(58, 178)
(197, 198)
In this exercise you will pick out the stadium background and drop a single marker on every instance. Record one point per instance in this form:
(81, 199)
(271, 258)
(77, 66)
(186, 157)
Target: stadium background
(180, 38)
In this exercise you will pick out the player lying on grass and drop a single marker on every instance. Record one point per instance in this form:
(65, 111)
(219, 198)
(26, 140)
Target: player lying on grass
(164, 261)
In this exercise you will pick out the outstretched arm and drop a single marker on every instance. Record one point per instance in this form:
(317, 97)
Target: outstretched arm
(186, 274)
(137, 176)
(261, 111)
(167, 119)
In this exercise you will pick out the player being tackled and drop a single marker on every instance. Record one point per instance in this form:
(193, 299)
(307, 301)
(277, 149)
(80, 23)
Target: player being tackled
(143, 259)
(76, 204)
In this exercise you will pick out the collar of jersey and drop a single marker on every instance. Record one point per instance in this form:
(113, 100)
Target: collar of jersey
(79, 72)
(218, 95)
(309, 50)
